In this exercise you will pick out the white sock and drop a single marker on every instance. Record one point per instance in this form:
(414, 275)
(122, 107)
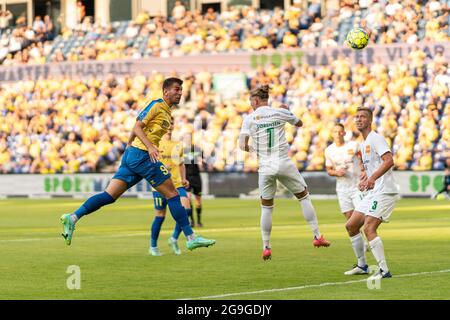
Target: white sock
(376, 246)
(358, 248)
(366, 242)
(266, 224)
(190, 237)
(310, 215)
(74, 218)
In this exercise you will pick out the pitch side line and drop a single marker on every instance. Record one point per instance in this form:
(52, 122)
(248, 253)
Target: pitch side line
(326, 284)
(163, 232)
(213, 230)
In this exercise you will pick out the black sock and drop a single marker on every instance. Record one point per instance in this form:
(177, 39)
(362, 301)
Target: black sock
(191, 217)
(199, 213)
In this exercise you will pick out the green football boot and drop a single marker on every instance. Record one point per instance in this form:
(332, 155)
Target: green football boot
(154, 251)
(199, 242)
(68, 228)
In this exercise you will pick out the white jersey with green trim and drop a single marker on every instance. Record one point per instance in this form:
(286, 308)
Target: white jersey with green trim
(344, 157)
(266, 127)
(372, 149)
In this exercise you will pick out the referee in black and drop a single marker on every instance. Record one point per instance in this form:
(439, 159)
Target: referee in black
(193, 156)
(446, 186)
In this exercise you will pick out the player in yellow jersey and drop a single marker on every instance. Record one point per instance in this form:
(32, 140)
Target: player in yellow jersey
(140, 161)
(172, 156)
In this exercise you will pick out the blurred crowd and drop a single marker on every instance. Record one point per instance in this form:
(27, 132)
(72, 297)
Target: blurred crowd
(73, 125)
(23, 44)
(187, 32)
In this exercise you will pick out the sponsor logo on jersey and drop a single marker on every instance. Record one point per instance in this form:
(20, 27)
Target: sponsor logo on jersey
(269, 116)
(165, 124)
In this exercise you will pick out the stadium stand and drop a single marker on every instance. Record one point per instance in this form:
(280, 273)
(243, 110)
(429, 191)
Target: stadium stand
(74, 125)
(39, 119)
(237, 29)
(23, 44)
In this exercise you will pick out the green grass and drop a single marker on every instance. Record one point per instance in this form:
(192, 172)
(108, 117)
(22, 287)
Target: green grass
(110, 247)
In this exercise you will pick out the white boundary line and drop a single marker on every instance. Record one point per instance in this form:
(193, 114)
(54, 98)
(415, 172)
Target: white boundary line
(298, 226)
(326, 284)
(163, 232)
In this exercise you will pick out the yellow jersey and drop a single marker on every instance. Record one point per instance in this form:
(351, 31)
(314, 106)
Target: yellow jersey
(171, 155)
(156, 117)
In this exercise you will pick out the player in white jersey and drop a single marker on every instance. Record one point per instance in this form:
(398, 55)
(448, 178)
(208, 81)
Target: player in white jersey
(382, 193)
(266, 128)
(342, 162)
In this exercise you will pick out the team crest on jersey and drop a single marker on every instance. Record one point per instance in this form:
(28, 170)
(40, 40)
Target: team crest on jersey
(257, 118)
(368, 148)
(350, 152)
(165, 124)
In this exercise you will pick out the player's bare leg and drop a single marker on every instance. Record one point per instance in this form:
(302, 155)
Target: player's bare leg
(198, 209)
(167, 189)
(310, 216)
(191, 218)
(353, 226)
(266, 227)
(347, 215)
(116, 188)
(371, 225)
(186, 203)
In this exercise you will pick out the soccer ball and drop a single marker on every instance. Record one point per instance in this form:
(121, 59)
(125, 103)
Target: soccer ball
(357, 38)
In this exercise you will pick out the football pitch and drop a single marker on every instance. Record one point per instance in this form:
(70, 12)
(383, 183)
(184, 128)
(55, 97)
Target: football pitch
(110, 247)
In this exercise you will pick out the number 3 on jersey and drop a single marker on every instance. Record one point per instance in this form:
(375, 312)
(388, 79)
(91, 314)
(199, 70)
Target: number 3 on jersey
(374, 205)
(271, 136)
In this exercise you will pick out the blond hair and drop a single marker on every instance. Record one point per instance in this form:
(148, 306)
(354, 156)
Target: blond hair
(261, 92)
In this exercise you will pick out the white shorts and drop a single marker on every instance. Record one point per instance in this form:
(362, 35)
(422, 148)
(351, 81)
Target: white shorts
(348, 200)
(378, 205)
(287, 173)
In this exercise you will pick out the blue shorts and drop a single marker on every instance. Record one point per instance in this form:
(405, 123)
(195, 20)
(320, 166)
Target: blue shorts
(136, 165)
(161, 202)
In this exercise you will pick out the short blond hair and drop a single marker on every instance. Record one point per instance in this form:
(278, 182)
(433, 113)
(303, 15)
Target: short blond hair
(261, 92)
